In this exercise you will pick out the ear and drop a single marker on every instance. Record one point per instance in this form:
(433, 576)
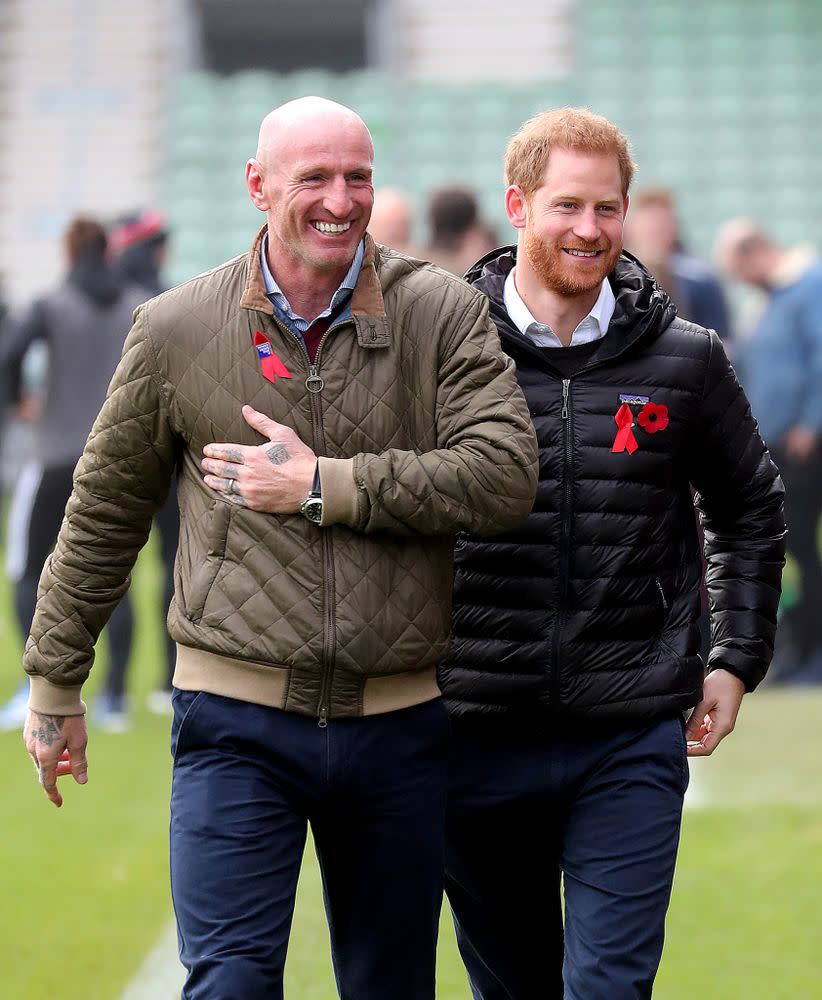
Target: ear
(254, 183)
(516, 206)
(625, 207)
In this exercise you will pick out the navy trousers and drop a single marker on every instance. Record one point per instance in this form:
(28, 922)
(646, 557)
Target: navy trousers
(597, 814)
(246, 782)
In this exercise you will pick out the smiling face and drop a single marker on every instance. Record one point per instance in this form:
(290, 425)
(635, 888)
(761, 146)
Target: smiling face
(572, 224)
(313, 178)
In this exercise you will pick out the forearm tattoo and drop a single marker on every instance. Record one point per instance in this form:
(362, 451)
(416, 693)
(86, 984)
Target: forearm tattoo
(48, 730)
(278, 454)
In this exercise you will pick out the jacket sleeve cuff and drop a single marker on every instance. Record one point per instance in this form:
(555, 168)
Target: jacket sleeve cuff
(51, 699)
(339, 492)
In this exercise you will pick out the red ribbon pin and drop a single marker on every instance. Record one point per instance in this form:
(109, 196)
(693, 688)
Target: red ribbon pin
(270, 364)
(624, 440)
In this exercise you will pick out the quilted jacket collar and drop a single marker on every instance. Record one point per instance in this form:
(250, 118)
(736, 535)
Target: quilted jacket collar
(367, 305)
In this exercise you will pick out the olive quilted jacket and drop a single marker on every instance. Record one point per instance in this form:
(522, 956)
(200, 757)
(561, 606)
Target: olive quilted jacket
(423, 432)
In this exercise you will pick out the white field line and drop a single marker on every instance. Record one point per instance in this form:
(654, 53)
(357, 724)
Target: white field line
(161, 976)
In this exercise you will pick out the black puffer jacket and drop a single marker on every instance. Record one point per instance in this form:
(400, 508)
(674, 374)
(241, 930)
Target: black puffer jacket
(590, 608)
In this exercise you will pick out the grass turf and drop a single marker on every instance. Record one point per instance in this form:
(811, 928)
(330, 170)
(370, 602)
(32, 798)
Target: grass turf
(84, 890)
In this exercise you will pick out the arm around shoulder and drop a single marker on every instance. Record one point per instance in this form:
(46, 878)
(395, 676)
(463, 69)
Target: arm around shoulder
(482, 474)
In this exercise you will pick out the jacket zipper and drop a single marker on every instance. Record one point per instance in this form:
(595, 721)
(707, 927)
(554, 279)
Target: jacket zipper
(565, 540)
(314, 384)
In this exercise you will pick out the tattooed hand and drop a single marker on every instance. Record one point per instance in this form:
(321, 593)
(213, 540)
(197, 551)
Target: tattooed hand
(274, 477)
(57, 745)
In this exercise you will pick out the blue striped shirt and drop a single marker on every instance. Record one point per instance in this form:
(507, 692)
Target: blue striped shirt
(299, 324)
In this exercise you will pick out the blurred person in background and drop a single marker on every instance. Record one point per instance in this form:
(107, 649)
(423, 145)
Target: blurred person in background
(392, 220)
(316, 555)
(780, 359)
(6, 391)
(82, 324)
(458, 236)
(4, 309)
(139, 245)
(652, 234)
(575, 643)
(139, 242)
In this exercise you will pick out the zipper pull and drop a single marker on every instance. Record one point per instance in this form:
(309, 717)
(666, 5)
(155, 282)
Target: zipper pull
(323, 721)
(314, 382)
(661, 593)
(566, 389)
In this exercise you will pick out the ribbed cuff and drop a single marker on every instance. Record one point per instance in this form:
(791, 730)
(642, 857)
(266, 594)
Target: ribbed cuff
(51, 699)
(339, 492)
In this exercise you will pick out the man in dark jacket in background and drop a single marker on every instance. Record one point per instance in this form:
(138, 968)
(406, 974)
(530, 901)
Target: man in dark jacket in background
(83, 324)
(575, 636)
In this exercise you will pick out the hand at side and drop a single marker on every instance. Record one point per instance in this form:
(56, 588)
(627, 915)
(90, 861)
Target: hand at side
(715, 716)
(57, 745)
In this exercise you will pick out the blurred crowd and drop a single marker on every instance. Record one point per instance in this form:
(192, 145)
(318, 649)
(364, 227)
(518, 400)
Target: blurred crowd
(57, 356)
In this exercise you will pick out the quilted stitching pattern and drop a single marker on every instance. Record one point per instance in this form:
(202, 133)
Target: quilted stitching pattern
(442, 439)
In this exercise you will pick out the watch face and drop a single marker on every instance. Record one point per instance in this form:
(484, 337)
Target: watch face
(313, 510)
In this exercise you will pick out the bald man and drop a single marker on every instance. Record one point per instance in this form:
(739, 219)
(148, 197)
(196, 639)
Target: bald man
(333, 413)
(391, 219)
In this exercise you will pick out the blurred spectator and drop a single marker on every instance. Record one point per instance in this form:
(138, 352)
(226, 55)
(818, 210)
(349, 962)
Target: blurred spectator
(5, 387)
(83, 324)
(652, 234)
(140, 243)
(19, 403)
(459, 237)
(781, 366)
(392, 219)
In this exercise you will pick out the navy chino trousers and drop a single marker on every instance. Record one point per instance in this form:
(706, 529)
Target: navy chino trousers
(594, 813)
(246, 782)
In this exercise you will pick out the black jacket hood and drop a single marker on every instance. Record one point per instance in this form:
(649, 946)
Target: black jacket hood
(96, 278)
(643, 309)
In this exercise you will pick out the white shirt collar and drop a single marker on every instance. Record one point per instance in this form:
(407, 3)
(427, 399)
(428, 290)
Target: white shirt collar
(593, 327)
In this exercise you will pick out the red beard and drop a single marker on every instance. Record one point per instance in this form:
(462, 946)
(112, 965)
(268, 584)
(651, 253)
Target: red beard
(556, 269)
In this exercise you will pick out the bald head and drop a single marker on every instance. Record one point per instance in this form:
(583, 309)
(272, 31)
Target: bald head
(312, 176)
(314, 116)
(391, 218)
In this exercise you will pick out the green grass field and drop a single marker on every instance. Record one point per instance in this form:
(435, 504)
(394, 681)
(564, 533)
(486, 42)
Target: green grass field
(84, 890)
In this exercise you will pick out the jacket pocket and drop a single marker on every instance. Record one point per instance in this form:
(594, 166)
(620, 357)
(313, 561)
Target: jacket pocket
(204, 575)
(664, 607)
(661, 595)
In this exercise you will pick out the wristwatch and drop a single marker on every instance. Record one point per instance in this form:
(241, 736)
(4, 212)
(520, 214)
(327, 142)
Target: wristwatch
(312, 507)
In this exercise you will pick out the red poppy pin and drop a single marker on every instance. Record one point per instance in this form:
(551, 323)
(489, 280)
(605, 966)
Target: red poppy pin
(653, 417)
